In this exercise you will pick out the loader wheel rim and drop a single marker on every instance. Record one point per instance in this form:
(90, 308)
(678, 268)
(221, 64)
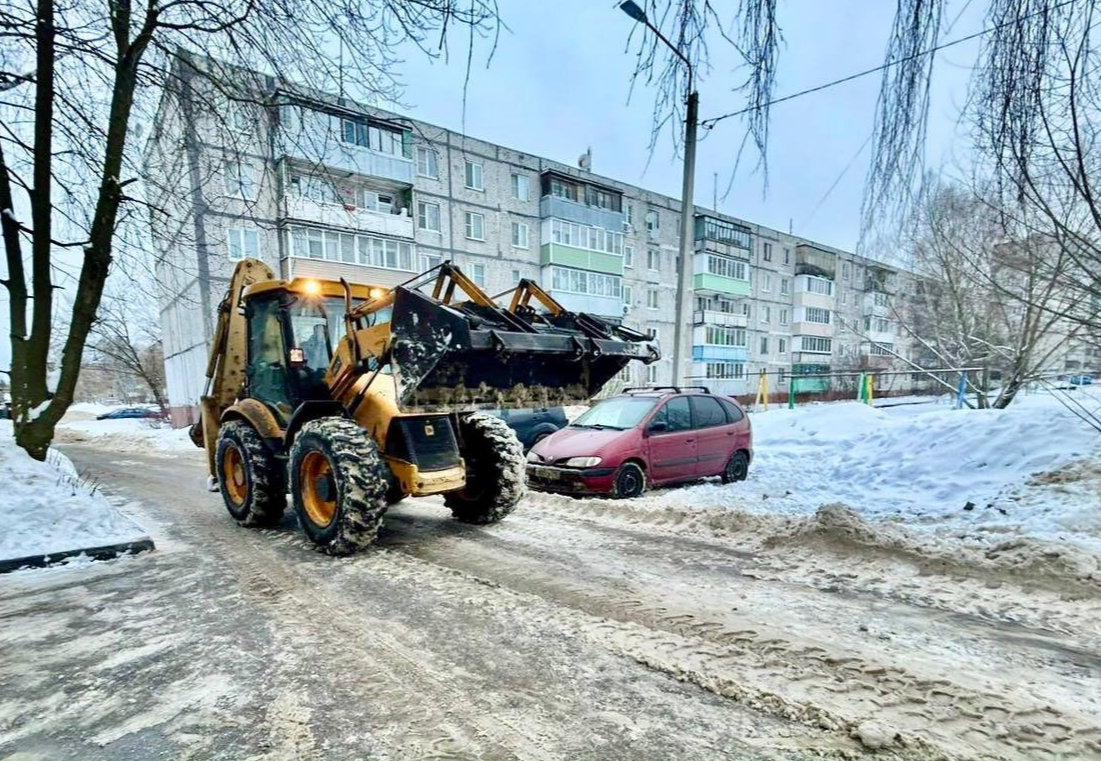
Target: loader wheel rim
(318, 488)
(233, 469)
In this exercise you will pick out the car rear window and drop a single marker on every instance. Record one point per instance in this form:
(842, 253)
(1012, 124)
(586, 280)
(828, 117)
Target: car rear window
(733, 411)
(707, 412)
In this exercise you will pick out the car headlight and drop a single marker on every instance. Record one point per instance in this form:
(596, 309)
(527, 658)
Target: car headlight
(582, 462)
(532, 457)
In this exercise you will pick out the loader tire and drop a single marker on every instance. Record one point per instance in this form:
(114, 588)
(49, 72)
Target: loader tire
(249, 476)
(494, 471)
(339, 485)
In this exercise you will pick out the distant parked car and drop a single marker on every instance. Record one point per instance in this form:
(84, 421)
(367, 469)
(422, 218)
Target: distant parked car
(1081, 380)
(645, 437)
(130, 412)
(533, 425)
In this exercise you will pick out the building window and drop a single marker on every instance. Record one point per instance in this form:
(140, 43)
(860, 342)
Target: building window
(429, 261)
(520, 187)
(814, 344)
(818, 285)
(724, 335)
(629, 213)
(475, 225)
(474, 176)
(369, 250)
(428, 163)
(478, 274)
(314, 188)
(243, 244)
(653, 259)
(653, 222)
(781, 346)
(519, 234)
(652, 298)
(581, 236)
(652, 373)
(817, 314)
(766, 282)
(724, 266)
(428, 216)
(516, 276)
(787, 256)
(767, 255)
(372, 201)
(846, 271)
(785, 285)
(628, 295)
(766, 314)
(764, 346)
(783, 317)
(725, 370)
(628, 256)
(374, 136)
(584, 281)
(240, 180)
(722, 231)
(881, 350)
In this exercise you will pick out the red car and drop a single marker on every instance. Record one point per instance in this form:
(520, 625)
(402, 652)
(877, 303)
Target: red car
(645, 437)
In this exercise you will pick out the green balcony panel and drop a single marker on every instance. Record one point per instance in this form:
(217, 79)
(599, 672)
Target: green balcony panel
(709, 282)
(580, 258)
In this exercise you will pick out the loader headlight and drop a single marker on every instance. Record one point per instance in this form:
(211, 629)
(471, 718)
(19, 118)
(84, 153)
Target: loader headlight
(532, 457)
(582, 462)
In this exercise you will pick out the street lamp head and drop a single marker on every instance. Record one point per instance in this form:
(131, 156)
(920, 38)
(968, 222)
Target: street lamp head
(631, 8)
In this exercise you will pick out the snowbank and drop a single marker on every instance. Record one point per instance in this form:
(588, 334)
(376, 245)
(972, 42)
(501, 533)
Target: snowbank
(47, 508)
(988, 476)
(147, 436)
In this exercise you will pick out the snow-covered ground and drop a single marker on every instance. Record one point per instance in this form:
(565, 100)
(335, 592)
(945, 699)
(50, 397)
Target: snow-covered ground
(985, 476)
(48, 508)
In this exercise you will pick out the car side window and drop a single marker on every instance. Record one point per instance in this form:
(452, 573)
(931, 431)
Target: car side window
(707, 412)
(679, 415)
(733, 412)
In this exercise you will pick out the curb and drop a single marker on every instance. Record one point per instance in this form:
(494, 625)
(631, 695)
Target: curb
(106, 552)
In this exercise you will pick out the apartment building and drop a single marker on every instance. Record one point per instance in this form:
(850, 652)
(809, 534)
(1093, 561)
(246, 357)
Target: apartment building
(316, 185)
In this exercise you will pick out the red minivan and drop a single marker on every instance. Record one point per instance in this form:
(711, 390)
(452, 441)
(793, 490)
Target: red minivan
(645, 437)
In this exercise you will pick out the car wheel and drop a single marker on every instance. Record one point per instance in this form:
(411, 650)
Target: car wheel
(630, 481)
(737, 468)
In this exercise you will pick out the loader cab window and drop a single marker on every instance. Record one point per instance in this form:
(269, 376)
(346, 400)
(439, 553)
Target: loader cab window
(266, 370)
(309, 338)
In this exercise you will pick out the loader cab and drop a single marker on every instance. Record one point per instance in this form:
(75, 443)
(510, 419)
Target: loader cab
(291, 336)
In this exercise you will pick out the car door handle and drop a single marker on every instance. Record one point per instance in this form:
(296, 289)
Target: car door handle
(730, 433)
(688, 441)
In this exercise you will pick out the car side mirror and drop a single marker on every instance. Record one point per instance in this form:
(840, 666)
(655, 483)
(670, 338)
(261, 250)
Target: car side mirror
(657, 426)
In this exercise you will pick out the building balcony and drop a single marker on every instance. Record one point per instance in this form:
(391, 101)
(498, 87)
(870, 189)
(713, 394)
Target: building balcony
(706, 277)
(302, 209)
(722, 237)
(604, 306)
(811, 260)
(702, 352)
(711, 317)
(325, 148)
(812, 329)
(880, 336)
(580, 258)
(582, 214)
(876, 305)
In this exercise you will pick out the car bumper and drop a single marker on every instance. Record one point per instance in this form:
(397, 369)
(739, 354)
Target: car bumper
(571, 480)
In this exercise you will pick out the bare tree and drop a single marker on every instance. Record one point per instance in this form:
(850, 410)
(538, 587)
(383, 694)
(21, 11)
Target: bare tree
(72, 79)
(129, 345)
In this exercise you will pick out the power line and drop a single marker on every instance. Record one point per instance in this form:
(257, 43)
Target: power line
(710, 123)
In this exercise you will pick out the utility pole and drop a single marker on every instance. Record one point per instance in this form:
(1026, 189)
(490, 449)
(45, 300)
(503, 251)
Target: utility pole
(687, 218)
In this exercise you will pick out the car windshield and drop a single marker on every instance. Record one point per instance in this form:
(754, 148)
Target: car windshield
(621, 412)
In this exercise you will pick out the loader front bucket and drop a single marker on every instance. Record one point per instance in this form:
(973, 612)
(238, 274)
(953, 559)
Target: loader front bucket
(443, 356)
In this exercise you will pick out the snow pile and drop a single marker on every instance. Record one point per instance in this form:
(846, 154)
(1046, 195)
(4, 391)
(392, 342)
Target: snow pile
(147, 436)
(47, 508)
(977, 469)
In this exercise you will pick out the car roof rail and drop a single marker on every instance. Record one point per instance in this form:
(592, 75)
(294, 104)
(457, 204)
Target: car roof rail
(674, 389)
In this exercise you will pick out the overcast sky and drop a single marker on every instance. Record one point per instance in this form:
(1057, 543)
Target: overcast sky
(559, 80)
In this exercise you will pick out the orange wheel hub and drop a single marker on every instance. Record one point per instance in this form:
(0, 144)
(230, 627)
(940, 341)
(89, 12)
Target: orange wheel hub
(233, 470)
(315, 473)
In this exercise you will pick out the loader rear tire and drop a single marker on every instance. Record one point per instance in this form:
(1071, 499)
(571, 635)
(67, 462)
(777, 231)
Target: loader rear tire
(249, 476)
(339, 485)
(495, 466)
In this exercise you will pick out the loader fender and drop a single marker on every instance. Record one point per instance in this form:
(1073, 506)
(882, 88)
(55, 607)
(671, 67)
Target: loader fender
(256, 414)
(307, 411)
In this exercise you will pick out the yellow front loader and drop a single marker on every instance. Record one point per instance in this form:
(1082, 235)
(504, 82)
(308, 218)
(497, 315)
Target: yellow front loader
(351, 397)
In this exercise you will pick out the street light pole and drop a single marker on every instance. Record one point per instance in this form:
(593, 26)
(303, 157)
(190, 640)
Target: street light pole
(687, 216)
